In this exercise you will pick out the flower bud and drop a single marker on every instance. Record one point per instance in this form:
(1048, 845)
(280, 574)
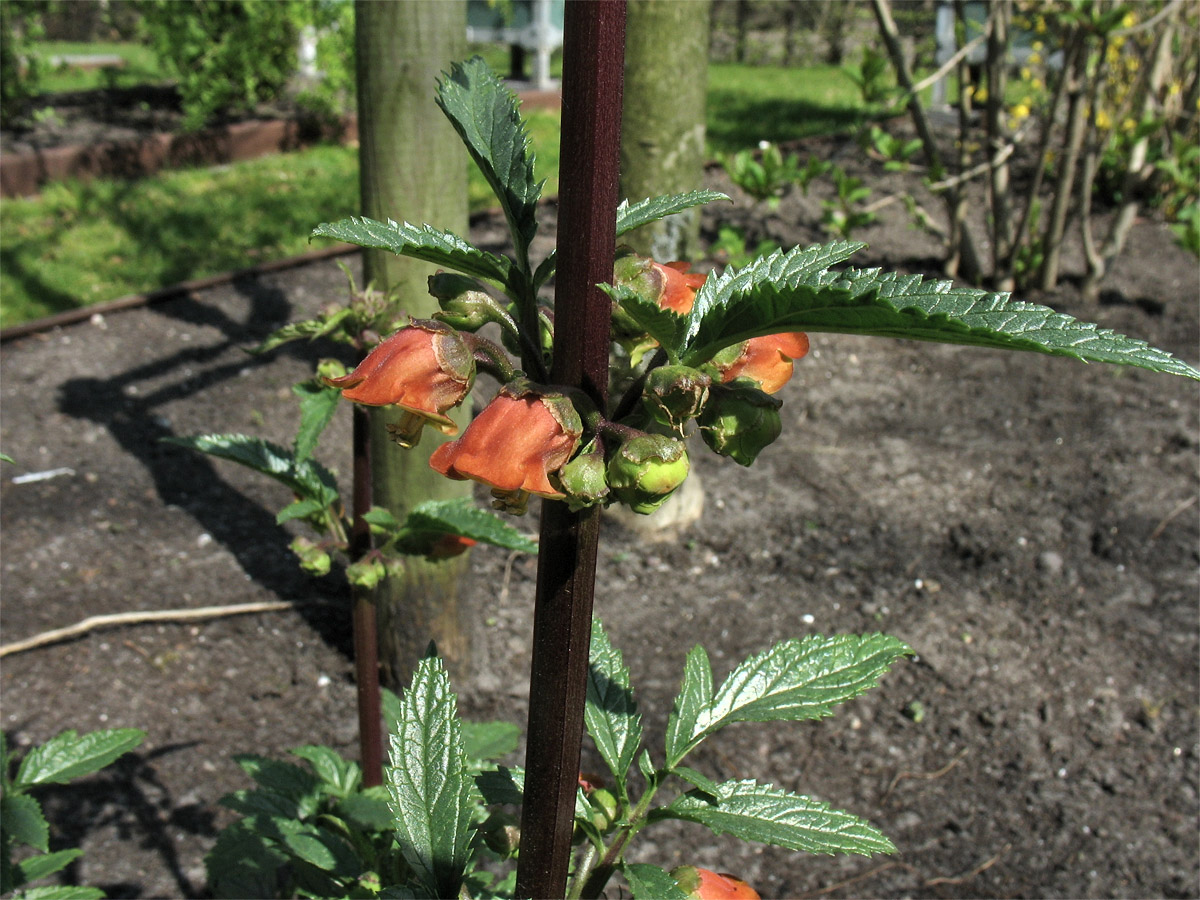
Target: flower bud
(740, 421)
(674, 394)
(313, 557)
(465, 304)
(704, 884)
(502, 833)
(604, 809)
(670, 285)
(583, 478)
(646, 470)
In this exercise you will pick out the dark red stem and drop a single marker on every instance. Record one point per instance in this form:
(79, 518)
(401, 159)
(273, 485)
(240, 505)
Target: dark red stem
(593, 69)
(366, 636)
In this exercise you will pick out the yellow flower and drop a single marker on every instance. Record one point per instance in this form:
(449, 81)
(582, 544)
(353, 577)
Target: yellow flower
(1020, 111)
(1128, 125)
(1103, 120)
(1129, 20)
(979, 94)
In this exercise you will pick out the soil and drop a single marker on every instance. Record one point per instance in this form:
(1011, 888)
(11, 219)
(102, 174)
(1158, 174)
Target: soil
(1028, 525)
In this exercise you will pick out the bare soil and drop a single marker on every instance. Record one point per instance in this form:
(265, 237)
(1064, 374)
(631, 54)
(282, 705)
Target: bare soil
(1029, 525)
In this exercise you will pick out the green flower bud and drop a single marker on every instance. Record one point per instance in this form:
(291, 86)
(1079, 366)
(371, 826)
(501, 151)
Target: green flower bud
(465, 305)
(739, 422)
(583, 478)
(313, 557)
(674, 394)
(366, 573)
(604, 809)
(502, 833)
(646, 470)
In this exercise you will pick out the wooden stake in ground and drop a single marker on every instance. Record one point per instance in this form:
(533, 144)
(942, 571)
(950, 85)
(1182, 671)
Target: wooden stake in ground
(593, 60)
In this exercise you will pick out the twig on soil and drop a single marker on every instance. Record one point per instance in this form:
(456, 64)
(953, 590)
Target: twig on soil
(830, 888)
(900, 776)
(135, 618)
(1162, 526)
(982, 867)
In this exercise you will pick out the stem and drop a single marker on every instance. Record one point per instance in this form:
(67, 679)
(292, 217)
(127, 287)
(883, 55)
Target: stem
(593, 54)
(592, 885)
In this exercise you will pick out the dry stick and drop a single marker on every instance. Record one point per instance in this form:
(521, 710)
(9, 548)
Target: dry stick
(928, 776)
(593, 55)
(891, 40)
(364, 617)
(982, 867)
(951, 63)
(1072, 147)
(998, 183)
(1162, 526)
(92, 623)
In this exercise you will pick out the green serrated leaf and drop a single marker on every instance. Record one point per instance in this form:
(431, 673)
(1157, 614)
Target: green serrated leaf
(262, 803)
(301, 509)
(764, 813)
(368, 809)
(318, 403)
(432, 795)
(309, 479)
(61, 892)
(798, 679)
(323, 850)
(697, 780)
(309, 329)
(285, 779)
(695, 695)
(432, 245)
(647, 882)
(663, 325)
(654, 208)
(490, 740)
(68, 756)
(485, 114)
(24, 822)
(794, 291)
(242, 863)
(610, 712)
(339, 776)
(44, 864)
(434, 518)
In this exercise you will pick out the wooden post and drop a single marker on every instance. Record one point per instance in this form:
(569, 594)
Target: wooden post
(593, 61)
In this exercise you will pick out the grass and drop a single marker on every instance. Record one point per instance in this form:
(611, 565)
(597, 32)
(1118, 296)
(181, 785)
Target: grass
(83, 243)
(141, 66)
(80, 244)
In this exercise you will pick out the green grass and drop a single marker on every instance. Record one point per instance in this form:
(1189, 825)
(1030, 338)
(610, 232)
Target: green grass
(80, 244)
(748, 104)
(141, 66)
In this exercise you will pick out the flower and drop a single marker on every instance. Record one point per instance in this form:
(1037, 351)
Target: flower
(447, 546)
(679, 286)
(520, 439)
(707, 885)
(424, 369)
(767, 360)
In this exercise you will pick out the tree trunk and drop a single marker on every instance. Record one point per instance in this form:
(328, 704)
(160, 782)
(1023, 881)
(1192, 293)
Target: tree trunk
(662, 132)
(412, 167)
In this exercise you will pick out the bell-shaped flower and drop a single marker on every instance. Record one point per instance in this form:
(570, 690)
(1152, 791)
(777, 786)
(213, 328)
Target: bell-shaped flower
(704, 884)
(515, 444)
(425, 369)
(766, 360)
(670, 285)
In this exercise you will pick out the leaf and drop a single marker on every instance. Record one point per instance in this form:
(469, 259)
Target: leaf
(61, 892)
(243, 863)
(766, 814)
(318, 403)
(794, 291)
(698, 780)
(289, 781)
(485, 114)
(441, 248)
(301, 509)
(309, 478)
(339, 776)
(23, 821)
(610, 712)
(654, 208)
(647, 882)
(262, 803)
(69, 756)
(798, 679)
(662, 324)
(323, 850)
(368, 809)
(490, 740)
(434, 518)
(40, 866)
(695, 695)
(432, 795)
(309, 328)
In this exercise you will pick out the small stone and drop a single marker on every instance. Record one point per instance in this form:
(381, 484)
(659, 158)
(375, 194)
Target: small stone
(1050, 562)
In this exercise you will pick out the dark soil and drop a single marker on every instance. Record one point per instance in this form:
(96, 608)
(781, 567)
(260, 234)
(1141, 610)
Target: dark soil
(1029, 525)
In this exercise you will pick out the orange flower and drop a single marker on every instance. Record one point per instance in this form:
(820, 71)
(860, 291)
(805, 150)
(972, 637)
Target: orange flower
(767, 360)
(425, 369)
(707, 885)
(449, 545)
(679, 286)
(514, 445)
